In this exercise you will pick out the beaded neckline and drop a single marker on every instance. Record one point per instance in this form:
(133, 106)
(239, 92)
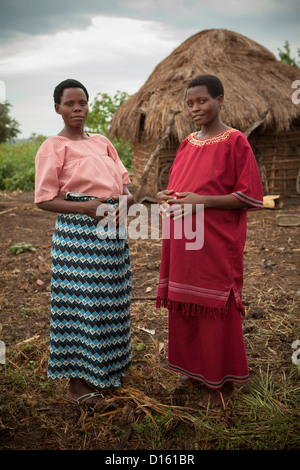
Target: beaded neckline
(192, 139)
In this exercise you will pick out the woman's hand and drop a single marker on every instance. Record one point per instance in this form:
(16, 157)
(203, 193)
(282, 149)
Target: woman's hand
(187, 203)
(59, 204)
(184, 204)
(121, 211)
(91, 208)
(164, 199)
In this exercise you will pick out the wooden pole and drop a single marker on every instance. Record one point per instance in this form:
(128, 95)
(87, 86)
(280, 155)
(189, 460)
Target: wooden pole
(257, 123)
(154, 155)
(248, 131)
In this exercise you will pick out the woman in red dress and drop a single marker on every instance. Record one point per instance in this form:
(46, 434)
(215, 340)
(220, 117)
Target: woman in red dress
(202, 288)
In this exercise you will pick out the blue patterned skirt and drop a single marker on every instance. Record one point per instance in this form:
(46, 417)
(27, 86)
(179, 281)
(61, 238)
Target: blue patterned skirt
(90, 303)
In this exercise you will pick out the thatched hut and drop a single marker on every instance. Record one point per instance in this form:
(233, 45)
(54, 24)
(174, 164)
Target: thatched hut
(258, 101)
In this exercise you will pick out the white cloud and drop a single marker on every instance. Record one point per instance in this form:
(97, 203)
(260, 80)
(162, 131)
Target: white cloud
(105, 41)
(111, 54)
(115, 45)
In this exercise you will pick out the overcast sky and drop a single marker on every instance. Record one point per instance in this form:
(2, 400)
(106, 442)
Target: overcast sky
(112, 45)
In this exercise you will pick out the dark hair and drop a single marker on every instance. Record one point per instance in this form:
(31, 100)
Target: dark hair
(69, 83)
(213, 84)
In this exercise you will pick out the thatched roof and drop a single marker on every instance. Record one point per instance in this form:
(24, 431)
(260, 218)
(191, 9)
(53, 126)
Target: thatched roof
(254, 81)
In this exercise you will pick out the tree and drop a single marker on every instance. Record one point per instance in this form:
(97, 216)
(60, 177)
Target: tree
(100, 114)
(9, 128)
(102, 110)
(285, 55)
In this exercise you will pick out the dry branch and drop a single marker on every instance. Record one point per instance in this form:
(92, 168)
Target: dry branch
(155, 154)
(257, 123)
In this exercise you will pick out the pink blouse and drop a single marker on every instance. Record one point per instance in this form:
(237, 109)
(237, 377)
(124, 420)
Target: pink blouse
(91, 166)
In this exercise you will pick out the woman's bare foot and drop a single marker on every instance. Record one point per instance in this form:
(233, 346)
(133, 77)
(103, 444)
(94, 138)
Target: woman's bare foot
(78, 388)
(218, 397)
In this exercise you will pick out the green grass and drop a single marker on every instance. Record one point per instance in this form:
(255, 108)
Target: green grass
(265, 416)
(17, 170)
(153, 430)
(17, 164)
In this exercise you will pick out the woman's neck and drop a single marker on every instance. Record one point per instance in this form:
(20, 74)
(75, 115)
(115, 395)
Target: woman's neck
(74, 134)
(211, 130)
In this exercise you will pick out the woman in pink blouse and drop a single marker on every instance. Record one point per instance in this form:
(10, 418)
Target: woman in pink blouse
(90, 277)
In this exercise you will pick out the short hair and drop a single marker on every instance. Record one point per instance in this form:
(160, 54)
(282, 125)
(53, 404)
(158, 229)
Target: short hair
(213, 84)
(69, 83)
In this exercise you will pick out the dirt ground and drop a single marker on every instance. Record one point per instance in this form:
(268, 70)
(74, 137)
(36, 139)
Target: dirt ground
(271, 294)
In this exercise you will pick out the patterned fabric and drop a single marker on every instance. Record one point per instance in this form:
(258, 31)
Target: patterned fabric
(90, 303)
(192, 139)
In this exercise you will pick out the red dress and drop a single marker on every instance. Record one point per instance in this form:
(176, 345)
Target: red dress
(202, 289)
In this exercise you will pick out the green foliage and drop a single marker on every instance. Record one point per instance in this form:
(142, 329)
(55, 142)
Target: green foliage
(138, 346)
(100, 115)
(154, 429)
(21, 247)
(102, 110)
(9, 128)
(17, 164)
(265, 417)
(285, 55)
(124, 150)
(17, 169)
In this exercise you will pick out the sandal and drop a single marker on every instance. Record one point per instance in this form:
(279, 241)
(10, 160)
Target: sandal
(84, 398)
